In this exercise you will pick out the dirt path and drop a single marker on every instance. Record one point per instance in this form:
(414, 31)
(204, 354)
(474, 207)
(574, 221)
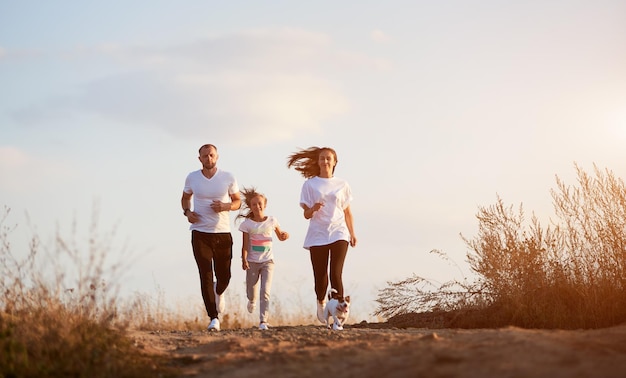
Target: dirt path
(376, 350)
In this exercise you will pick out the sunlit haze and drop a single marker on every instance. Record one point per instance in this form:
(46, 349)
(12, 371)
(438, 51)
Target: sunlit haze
(434, 108)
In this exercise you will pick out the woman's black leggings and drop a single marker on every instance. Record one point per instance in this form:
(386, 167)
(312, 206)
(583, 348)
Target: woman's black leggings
(319, 259)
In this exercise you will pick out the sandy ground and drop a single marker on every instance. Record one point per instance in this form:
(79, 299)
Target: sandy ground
(379, 350)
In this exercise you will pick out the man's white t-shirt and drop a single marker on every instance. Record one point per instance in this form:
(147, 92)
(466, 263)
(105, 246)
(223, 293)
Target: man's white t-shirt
(260, 234)
(205, 191)
(327, 225)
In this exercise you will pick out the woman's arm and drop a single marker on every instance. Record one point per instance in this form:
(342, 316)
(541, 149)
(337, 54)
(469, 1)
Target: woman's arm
(309, 211)
(347, 213)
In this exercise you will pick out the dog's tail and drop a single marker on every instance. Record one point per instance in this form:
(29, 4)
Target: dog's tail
(331, 292)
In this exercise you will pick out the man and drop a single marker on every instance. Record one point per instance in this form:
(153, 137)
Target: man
(215, 193)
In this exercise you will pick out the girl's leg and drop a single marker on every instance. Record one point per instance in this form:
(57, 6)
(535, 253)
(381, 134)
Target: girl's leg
(267, 273)
(338, 252)
(319, 261)
(252, 281)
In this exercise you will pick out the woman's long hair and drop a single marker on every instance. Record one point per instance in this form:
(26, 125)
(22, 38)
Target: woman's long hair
(307, 161)
(248, 194)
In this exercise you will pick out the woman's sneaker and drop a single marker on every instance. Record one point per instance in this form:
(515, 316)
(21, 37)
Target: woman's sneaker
(214, 325)
(263, 326)
(320, 311)
(251, 306)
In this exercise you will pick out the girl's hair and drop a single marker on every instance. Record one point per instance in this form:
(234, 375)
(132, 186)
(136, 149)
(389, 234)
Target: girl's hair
(248, 194)
(307, 161)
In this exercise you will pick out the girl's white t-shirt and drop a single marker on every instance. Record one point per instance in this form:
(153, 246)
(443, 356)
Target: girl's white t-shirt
(328, 224)
(205, 191)
(260, 234)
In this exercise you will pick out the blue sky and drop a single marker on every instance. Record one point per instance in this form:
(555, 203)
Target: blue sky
(434, 108)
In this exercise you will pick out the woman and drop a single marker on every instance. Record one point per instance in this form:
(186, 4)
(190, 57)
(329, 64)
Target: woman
(326, 203)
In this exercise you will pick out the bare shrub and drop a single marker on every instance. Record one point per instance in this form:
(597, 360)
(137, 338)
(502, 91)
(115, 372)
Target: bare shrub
(570, 274)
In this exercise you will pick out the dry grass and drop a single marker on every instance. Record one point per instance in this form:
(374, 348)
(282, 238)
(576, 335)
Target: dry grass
(58, 311)
(61, 313)
(571, 274)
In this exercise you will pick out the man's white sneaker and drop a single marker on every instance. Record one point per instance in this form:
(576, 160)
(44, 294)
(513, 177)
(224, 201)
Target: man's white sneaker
(221, 303)
(263, 326)
(251, 306)
(320, 311)
(219, 300)
(214, 325)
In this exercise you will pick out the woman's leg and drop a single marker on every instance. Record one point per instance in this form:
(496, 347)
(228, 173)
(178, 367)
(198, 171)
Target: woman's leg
(338, 252)
(319, 261)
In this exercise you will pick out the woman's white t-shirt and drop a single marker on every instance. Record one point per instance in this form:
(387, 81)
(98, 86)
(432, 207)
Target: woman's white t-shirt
(328, 224)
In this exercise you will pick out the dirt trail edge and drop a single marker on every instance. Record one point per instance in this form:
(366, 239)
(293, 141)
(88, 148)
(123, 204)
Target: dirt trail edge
(375, 350)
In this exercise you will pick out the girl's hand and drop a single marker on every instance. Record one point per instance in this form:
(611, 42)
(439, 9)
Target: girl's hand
(283, 236)
(245, 265)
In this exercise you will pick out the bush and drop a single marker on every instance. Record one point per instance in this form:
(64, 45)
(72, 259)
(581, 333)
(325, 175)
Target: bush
(571, 274)
(58, 313)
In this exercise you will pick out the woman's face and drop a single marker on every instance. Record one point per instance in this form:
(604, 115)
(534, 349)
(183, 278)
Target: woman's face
(326, 161)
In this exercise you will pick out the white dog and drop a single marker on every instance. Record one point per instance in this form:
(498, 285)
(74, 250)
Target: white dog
(338, 308)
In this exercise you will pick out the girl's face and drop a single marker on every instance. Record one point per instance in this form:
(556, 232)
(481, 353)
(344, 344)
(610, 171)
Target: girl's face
(326, 161)
(257, 206)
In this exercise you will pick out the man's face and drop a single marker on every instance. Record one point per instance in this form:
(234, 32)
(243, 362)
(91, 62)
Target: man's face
(208, 157)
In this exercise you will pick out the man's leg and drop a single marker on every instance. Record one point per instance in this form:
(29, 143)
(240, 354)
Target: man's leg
(203, 253)
(222, 257)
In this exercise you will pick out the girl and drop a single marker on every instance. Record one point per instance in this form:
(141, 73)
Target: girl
(325, 200)
(257, 255)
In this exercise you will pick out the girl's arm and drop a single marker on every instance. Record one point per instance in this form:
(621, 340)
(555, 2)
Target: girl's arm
(245, 245)
(349, 222)
(282, 235)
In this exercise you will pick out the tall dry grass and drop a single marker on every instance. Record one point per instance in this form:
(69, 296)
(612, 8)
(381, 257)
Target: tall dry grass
(61, 312)
(58, 310)
(570, 274)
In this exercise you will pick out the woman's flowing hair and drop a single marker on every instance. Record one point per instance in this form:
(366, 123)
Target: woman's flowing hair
(307, 161)
(248, 194)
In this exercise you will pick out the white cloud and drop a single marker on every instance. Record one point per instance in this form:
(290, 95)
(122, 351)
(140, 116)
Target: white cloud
(22, 172)
(379, 36)
(272, 83)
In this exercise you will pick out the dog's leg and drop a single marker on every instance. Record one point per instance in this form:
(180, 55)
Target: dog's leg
(327, 317)
(337, 326)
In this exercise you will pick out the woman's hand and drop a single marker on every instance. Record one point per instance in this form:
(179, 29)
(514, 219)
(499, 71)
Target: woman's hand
(352, 241)
(309, 211)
